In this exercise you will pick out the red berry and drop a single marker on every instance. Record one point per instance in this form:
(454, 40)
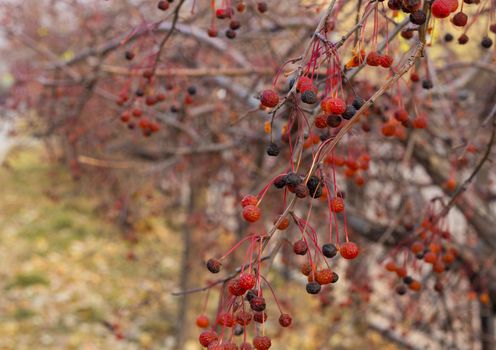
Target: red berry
(212, 32)
(251, 213)
(304, 83)
(245, 346)
(249, 199)
(243, 318)
(441, 8)
(388, 129)
(202, 321)
(333, 105)
(226, 319)
(460, 19)
(323, 276)
(269, 98)
(337, 205)
(235, 288)
(373, 59)
(247, 281)
(207, 338)
(349, 250)
(386, 61)
(285, 320)
(163, 5)
(453, 5)
(300, 247)
(420, 122)
(260, 317)
(262, 343)
(401, 115)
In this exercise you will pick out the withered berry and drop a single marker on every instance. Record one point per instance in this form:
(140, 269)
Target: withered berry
(309, 97)
(214, 265)
(273, 149)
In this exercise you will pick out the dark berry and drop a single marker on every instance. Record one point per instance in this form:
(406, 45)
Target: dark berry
(214, 265)
(251, 294)
(335, 277)
(358, 102)
(349, 113)
(257, 304)
(334, 121)
(463, 39)
(418, 17)
(293, 179)
(280, 181)
(407, 279)
(401, 290)
(192, 90)
(129, 55)
(230, 34)
(313, 288)
(394, 4)
(486, 42)
(234, 24)
(262, 6)
(309, 97)
(329, 250)
(448, 37)
(285, 320)
(139, 92)
(273, 149)
(427, 84)
(301, 190)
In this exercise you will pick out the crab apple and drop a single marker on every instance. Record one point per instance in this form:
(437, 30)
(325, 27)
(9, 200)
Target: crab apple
(300, 247)
(304, 84)
(337, 205)
(249, 199)
(388, 129)
(214, 265)
(418, 17)
(251, 213)
(243, 317)
(245, 346)
(309, 97)
(321, 122)
(440, 8)
(262, 7)
(415, 285)
(323, 276)
(163, 5)
(285, 320)
(391, 266)
(306, 269)
(247, 281)
(438, 267)
(257, 303)
(226, 319)
(486, 42)
(401, 272)
(269, 98)
(260, 317)
(401, 290)
(460, 19)
(386, 61)
(202, 321)
(333, 121)
(348, 250)
(333, 105)
(262, 343)
(273, 149)
(417, 247)
(235, 288)
(283, 224)
(401, 115)
(212, 32)
(430, 257)
(373, 59)
(453, 5)
(208, 337)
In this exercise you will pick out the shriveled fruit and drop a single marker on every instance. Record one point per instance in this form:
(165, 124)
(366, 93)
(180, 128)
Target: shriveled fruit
(269, 98)
(251, 213)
